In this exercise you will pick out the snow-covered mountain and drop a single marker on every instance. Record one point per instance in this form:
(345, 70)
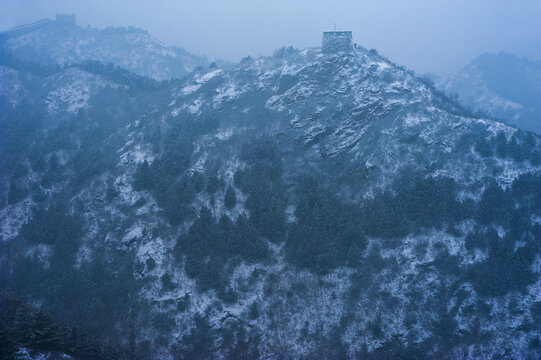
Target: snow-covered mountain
(504, 86)
(60, 42)
(300, 205)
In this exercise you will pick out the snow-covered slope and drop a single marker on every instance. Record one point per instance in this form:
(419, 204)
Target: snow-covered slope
(296, 205)
(502, 85)
(54, 42)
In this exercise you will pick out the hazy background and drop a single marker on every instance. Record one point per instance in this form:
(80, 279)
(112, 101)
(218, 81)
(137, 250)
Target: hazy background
(426, 35)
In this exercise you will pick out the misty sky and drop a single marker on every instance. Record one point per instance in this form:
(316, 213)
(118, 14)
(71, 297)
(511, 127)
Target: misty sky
(425, 35)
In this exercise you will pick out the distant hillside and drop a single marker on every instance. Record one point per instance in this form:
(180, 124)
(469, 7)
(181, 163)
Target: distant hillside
(60, 42)
(503, 85)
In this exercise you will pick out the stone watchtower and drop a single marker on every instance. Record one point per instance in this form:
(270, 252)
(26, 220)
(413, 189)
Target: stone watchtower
(336, 41)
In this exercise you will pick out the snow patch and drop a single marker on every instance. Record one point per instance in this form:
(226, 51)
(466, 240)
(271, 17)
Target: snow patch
(199, 81)
(72, 97)
(42, 252)
(224, 134)
(13, 217)
(412, 120)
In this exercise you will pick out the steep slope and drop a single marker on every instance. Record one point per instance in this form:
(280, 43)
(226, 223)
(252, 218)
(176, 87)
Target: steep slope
(295, 205)
(57, 42)
(503, 85)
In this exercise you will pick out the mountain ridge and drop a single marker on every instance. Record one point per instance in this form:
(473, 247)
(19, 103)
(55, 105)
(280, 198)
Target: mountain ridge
(300, 204)
(56, 42)
(503, 85)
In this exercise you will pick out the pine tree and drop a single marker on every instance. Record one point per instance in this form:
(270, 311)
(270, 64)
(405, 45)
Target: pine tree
(230, 198)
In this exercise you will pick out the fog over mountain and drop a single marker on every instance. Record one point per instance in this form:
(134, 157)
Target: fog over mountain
(424, 35)
(319, 202)
(504, 86)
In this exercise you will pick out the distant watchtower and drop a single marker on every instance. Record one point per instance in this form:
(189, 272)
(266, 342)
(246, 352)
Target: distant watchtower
(65, 19)
(336, 41)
